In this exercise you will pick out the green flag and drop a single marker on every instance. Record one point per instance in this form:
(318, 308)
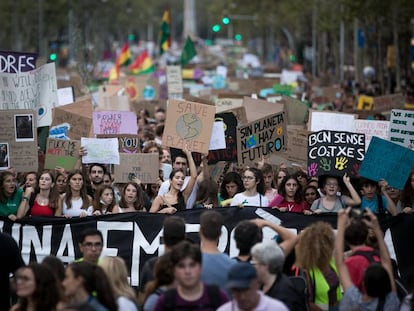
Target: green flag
(165, 36)
(188, 51)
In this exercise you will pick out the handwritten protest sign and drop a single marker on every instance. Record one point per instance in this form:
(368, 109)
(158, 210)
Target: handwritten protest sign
(331, 121)
(14, 62)
(22, 143)
(217, 140)
(335, 153)
(174, 82)
(144, 166)
(297, 146)
(261, 138)
(126, 143)
(259, 108)
(62, 153)
(389, 161)
(188, 124)
(297, 111)
(372, 128)
(227, 103)
(72, 121)
(66, 96)
(115, 122)
(100, 150)
(36, 89)
(402, 128)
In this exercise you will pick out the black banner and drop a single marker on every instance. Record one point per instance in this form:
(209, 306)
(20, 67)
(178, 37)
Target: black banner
(15, 62)
(138, 236)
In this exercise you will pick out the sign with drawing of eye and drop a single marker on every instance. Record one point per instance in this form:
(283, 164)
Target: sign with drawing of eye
(335, 153)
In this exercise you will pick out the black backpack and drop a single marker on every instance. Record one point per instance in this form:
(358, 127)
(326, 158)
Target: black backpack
(213, 292)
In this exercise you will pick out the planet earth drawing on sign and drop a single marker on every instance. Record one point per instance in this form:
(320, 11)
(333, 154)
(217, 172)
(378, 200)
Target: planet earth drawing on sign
(189, 126)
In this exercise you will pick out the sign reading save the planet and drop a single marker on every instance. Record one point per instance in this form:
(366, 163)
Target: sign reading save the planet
(188, 124)
(261, 138)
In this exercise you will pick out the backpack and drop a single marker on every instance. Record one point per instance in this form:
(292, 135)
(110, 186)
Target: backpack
(374, 257)
(213, 293)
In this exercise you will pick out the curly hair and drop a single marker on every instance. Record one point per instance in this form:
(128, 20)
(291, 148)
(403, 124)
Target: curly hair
(315, 246)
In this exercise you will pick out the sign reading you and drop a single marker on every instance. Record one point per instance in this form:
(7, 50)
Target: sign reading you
(261, 138)
(335, 153)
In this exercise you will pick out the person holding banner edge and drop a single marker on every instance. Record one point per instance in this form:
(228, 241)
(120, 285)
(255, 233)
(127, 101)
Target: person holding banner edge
(331, 202)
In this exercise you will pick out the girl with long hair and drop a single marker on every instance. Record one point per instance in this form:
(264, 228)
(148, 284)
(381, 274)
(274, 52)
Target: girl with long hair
(87, 282)
(103, 201)
(117, 274)
(75, 201)
(37, 289)
(175, 199)
(131, 199)
(10, 195)
(289, 198)
(253, 195)
(44, 200)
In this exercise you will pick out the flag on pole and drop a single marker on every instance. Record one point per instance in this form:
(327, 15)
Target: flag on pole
(142, 64)
(124, 59)
(188, 51)
(165, 33)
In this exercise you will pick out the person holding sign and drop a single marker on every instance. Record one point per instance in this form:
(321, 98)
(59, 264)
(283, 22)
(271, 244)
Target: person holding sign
(253, 195)
(175, 199)
(331, 202)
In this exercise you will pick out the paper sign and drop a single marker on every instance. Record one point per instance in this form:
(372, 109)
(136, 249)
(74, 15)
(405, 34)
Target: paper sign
(372, 128)
(335, 153)
(297, 146)
(402, 128)
(62, 153)
(115, 122)
(261, 138)
(14, 62)
(174, 80)
(297, 111)
(65, 96)
(331, 121)
(144, 166)
(100, 150)
(36, 89)
(72, 121)
(218, 140)
(188, 124)
(20, 144)
(389, 161)
(126, 143)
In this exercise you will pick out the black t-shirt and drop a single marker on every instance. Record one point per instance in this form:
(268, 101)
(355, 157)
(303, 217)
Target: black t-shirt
(10, 261)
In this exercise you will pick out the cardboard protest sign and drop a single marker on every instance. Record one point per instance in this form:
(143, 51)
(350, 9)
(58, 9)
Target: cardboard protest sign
(372, 128)
(18, 138)
(188, 124)
(144, 166)
(14, 62)
(296, 111)
(115, 122)
(389, 161)
(126, 143)
(36, 89)
(217, 140)
(331, 121)
(402, 128)
(72, 121)
(261, 138)
(297, 146)
(174, 82)
(228, 102)
(62, 153)
(259, 108)
(149, 105)
(388, 102)
(335, 153)
(100, 150)
(331, 93)
(105, 91)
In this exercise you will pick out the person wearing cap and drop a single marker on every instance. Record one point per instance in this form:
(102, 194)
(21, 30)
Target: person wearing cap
(244, 285)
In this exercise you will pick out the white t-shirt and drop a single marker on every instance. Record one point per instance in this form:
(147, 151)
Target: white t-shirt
(257, 200)
(76, 208)
(165, 186)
